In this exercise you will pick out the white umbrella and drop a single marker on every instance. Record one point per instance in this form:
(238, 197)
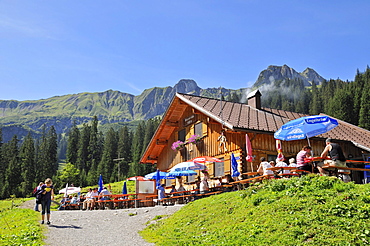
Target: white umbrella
(70, 190)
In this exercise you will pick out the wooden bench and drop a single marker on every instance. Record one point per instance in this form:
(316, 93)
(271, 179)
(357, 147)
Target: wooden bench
(146, 203)
(71, 206)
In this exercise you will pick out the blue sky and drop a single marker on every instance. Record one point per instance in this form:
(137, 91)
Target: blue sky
(51, 48)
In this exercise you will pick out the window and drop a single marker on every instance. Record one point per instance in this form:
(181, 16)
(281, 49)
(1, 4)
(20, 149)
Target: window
(219, 170)
(182, 135)
(271, 158)
(198, 129)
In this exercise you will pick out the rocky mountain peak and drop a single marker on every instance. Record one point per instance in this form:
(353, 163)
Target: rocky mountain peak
(276, 73)
(187, 86)
(312, 76)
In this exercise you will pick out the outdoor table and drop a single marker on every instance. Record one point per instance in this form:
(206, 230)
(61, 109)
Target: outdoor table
(179, 196)
(281, 169)
(250, 173)
(274, 169)
(227, 187)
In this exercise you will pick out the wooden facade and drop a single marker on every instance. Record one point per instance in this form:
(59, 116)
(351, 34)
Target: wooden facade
(182, 120)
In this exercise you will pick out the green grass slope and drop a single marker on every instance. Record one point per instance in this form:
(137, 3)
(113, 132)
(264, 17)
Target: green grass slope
(19, 226)
(311, 210)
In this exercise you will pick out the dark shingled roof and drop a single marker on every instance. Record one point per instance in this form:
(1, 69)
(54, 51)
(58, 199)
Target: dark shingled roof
(240, 116)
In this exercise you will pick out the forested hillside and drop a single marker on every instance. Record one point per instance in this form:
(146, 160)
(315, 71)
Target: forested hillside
(115, 155)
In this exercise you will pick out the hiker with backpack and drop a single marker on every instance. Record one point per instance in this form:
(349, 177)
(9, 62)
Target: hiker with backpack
(35, 191)
(47, 196)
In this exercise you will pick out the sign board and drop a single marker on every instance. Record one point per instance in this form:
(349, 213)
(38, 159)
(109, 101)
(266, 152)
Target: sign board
(146, 187)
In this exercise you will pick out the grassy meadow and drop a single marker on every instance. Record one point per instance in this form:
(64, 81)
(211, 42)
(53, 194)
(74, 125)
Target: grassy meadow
(19, 226)
(311, 210)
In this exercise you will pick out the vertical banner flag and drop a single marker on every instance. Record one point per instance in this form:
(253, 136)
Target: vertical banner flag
(100, 183)
(234, 166)
(279, 149)
(158, 178)
(248, 148)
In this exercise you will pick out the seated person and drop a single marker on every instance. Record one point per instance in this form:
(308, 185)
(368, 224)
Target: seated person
(228, 179)
(292, 164)
(64, 202)
(74, 200)
(281, 163)
(218, 182)
(337, 158)
(87, 199)
(304, 153)
(173, 189)
(104, 196)
(161, 192)
(92, 199)
(262, 169)
(181, 188)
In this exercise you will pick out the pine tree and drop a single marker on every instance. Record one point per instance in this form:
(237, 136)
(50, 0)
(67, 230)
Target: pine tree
(124, 151)
(44, 167)
(316, 103)
(364, 119)
(83, 145)
(342, 106)
(150, 128)
(28, 164)
(72, 145)
(13, 170)
(52, 149)
(94, 147)
(137, 145)
(107, 167)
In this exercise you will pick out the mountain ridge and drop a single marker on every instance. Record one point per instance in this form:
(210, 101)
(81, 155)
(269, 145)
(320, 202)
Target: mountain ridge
(113, 106)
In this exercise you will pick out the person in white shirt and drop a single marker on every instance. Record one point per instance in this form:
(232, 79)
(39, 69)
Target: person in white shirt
(104, 196)
(87, 199)
(292, 164)
(281, 163)
(91, 200)
(262, 169)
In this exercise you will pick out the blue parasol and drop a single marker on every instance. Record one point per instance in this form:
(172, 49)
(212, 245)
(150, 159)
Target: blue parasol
(124, 188)
(234, 166)
(153, 175)
(100, 183)
(188, 165)
(305, 127)
(182, 173)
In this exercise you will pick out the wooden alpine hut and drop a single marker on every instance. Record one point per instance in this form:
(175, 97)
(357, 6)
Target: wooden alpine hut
(220, 129)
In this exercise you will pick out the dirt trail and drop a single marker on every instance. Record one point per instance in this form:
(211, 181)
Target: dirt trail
(101, 227)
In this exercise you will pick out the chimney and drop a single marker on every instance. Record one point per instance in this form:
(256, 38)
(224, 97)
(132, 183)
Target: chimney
(254, 99)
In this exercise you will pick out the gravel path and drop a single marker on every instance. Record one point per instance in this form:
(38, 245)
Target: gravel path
(102, 227)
